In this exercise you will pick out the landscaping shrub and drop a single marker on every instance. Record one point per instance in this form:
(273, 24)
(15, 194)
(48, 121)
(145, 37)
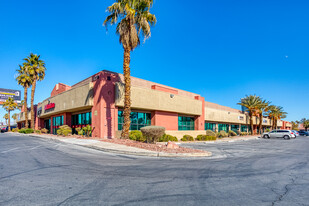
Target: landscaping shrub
(26, 131)
(64, 130)
(152, 133)
(167, 137)
(44, 131)
(15, 130)
(203, 137)
(232, 133)
(187, 138)
(38, 131)
(222, 134)
(211, 133)
(79, 131)
(137, 135)
(87, 130)
(244, 133)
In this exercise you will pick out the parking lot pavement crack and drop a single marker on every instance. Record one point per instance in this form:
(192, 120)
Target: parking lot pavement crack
(287, 188)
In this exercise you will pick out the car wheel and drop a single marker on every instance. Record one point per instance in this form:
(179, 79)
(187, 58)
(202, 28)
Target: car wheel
(286, 137)
(266, 136)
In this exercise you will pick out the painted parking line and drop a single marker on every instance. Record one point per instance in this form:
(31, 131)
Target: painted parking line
(10, 150)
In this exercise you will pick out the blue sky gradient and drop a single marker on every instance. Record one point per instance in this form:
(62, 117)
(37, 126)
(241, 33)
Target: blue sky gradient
(221, 49)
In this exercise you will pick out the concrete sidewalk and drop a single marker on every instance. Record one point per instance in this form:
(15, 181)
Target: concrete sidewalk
(115, 148)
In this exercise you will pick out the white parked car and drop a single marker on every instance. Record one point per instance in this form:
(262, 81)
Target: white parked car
(296, 133)
(280, 133)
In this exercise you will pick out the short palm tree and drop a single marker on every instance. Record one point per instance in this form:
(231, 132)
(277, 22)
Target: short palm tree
(6, 117)
(251, 103)
(14, 116)
(276, 113)
(24, 80)
(9, 105)
(134, 19)
(262, 107)
(35, 67)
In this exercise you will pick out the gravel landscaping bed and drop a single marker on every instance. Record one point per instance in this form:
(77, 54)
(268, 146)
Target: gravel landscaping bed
(153, 147)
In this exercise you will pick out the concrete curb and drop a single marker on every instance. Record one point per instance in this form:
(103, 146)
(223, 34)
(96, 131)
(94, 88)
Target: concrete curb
(150, 154)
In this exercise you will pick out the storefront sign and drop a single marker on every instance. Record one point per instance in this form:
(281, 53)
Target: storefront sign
(6, 93)
(49, 106)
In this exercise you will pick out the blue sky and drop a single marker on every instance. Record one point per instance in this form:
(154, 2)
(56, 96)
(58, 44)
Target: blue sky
(221, 49)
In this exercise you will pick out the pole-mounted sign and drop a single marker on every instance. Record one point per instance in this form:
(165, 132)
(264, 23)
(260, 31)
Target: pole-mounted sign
(6, 93)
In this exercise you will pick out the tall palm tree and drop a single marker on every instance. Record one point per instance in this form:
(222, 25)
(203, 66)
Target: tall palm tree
(9, 105)
(276, 113)
(262, 107)
(35, 67)
(25, 80)
(6, 117)
(134, 21)
(251, 103)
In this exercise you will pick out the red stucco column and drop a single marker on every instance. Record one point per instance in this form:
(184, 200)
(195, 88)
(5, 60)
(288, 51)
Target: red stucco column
(104, 112)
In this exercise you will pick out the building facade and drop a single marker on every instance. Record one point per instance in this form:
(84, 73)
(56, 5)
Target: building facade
(99, 100)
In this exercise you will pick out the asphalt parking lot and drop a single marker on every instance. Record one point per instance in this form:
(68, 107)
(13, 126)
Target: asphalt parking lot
(255, 172)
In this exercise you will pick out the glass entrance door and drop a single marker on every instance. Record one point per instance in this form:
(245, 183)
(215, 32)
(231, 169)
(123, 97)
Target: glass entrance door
(47, 124)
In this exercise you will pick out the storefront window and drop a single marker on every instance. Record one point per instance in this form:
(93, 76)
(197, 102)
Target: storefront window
(235, 127)
(57, 122)
(223, 127)
(80, 120)
(138, 120)
(185, 123)
(244, 128)
(210, 126)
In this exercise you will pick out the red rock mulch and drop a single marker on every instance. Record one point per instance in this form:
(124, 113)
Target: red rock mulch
(152, 147)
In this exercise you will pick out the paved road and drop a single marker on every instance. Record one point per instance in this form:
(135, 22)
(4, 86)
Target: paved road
(258, 172)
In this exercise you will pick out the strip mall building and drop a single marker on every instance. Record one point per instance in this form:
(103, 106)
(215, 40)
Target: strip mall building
(98, 101)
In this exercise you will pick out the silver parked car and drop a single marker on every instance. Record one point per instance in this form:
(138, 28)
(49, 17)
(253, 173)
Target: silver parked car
(280, 133)
(296, 133)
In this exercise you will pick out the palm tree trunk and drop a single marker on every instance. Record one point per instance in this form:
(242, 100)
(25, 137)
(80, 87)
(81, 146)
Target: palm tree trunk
(127, 95)
(261, 123)
(251, 122)
(9, 120)
(32, 106)
(25, 106)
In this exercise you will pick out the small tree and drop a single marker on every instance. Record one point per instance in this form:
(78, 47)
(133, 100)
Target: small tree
(6, 117)
(305, 123)
(14, 116)
(9, 105)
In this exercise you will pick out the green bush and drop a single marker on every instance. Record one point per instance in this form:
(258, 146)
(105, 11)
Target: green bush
(152, 133)
(38, 131)
(211, 133)
(203, 137)
(44, 131)
(81, 132)
(137, 135)
(187, 138)
(244, 133)
(64, 130)
(87, 130)
(222, 134)
(15, 130)
(232, 133)
(167, 137)
(26, 131)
